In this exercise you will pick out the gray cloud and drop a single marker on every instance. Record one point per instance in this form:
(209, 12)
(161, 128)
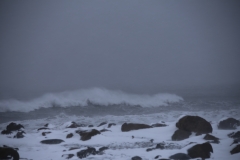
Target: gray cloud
(138, 46)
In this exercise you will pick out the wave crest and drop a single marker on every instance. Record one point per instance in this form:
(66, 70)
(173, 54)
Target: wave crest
(82, 97)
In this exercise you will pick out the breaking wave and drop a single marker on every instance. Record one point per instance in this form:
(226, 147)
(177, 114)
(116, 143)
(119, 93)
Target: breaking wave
(97, 96)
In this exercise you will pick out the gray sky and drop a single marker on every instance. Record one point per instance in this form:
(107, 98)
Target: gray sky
(134, 46)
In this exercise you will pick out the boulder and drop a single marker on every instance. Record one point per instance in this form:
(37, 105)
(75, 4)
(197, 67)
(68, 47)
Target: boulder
(111, 124)
(101, 124)
(43, 128)
(14, 127)
(200, 151)
(180, 156)
(19, 134)
(70, 135)
(52, 141)
(229, 123)
(86, 152)
(210, 137)
(6, 152)
(180, 135)
(194, 124)
(136, 158)
(6, 132)
(44, 133)
(133, 126)
(73, 125)
(86, 135)
(235, 150)
(236, 141)
(234, 135)
(67, 156)
(102, 149)
(104, 130)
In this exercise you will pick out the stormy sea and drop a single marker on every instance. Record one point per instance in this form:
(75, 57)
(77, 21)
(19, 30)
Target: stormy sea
(97, 108)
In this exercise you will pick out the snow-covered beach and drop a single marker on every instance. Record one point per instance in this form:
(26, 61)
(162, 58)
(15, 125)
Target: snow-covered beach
(119, 144)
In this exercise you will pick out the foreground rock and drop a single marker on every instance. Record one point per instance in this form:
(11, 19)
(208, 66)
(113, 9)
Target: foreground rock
(19, 134)
(180, 135)
(180, 156)
(194, 124)
(229, 123)
(234, 135)
(201, 151)
(12, 127)
(6, 152)
(86, 135)
(133, 126)
(86, 152)
(70, 135)
(52, 141)
(212, 138)
(136, 158)
(235, 149)
(67, 156)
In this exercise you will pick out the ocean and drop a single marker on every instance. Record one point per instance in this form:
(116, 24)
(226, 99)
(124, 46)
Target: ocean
(103, 102)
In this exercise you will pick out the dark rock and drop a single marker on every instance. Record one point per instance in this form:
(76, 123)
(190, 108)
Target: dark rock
(229, 123)
(194, 124)
(101, 124)
(43, 128)
(68, 156)
(181, 156)
(70, 135)
(14, 127)
(10, 147)
(44, 133)
(201, 151)
(73, 125)
(157, 157)
(90, 125)
(234, 135)
(6, 132)
(86, 152)
(102, 149)
(46, 125)
(235, 150)
(136, 158)
(149, 149)
(104, 130)
(52, 141)
(73, 148)
(180, 135)
(133, 126)
(86, 135)
(158, 125)
(19, 134)
(235, 141)
(210, 137)
(160, 145)
(111, 124)
(6, 153)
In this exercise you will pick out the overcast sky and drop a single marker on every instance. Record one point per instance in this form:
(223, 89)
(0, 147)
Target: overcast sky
(50, 46)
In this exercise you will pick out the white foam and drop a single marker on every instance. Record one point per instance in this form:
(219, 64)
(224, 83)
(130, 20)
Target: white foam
(82, 97)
